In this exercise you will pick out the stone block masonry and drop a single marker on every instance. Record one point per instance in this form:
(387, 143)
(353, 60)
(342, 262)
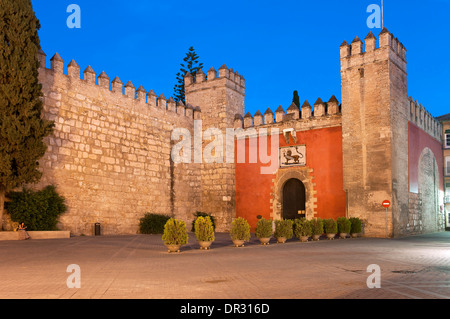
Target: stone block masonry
(376, 120)
(220, 96)
(109, 155)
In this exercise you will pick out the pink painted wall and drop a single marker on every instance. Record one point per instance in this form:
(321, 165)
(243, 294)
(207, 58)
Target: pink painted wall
(418, 140)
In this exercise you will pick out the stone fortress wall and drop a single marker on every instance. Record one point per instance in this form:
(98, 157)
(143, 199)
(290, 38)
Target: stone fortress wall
(110, 153)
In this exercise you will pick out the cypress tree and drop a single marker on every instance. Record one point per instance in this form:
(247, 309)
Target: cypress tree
(296, 99)
(22, 128)
(190, 65)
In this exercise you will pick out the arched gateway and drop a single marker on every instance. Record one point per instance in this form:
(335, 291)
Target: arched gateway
(294, 199)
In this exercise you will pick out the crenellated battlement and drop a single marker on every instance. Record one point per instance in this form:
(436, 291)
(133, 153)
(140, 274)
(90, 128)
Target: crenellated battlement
(423, 119)
(358, 53)
(305, 114)
(113, 150)
(116, 87)
(233, 79)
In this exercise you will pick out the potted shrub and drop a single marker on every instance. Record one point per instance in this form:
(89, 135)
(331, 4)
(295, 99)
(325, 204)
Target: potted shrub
(264, 230)
(198, 214)
(330, 227)
(302, 229)
(204, 231)
(283, 230)
(344, 226)
(175, 234)
(316, 228)
(240, 231)
(355, 228)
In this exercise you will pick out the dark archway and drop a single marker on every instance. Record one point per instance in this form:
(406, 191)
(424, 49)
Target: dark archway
(294, 199)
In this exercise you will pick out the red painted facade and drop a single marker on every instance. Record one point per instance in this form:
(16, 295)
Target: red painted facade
(324, 156)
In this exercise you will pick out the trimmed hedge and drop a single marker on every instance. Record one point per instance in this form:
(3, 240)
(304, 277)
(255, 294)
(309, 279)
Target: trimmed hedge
(39, 210)
(153, 223)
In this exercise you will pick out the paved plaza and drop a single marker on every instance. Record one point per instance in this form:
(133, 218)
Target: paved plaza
(139, 266)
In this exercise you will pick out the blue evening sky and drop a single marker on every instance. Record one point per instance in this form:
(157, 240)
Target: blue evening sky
(278, 46)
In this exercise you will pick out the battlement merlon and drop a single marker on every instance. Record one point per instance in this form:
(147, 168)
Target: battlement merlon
(230, 79)
(358, 53)
(419, 116)
(324, 113)
(127, 92)
(220, 94)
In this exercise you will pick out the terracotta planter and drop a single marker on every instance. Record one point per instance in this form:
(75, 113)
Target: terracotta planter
(354, 235)
(304, 239)
(343, 235)
(205, 245)
(173, 248)
(281, 240)
(238, 243)
(264, 241)
(331, 236)
(316, 237)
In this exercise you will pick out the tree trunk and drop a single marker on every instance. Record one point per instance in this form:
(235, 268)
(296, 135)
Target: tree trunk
(2, 206)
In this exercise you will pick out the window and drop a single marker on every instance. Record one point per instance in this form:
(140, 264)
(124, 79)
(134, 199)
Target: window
(447, 139)
(447, 166)
(447, 197)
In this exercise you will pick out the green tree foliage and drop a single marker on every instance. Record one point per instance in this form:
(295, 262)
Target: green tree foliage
(296, 99)
(190, 64)
(21, 127)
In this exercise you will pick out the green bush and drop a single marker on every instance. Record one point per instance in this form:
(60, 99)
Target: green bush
(344, 225)
(355, 225)
(175, 232)
(302, 228)
(264, 228)
(153, 223)
(39, 210)
(330, 226)
(240, 229)
(317, 226)
(284, 228)
(201, 214)
(204, 230)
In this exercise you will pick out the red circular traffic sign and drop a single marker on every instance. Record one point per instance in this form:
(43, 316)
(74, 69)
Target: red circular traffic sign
(386, 204)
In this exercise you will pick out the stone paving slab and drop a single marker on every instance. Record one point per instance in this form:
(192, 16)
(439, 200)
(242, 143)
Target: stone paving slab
(139, 267)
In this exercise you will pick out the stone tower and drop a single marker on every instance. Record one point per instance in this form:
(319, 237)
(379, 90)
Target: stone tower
(220, 97)
(375, 131)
